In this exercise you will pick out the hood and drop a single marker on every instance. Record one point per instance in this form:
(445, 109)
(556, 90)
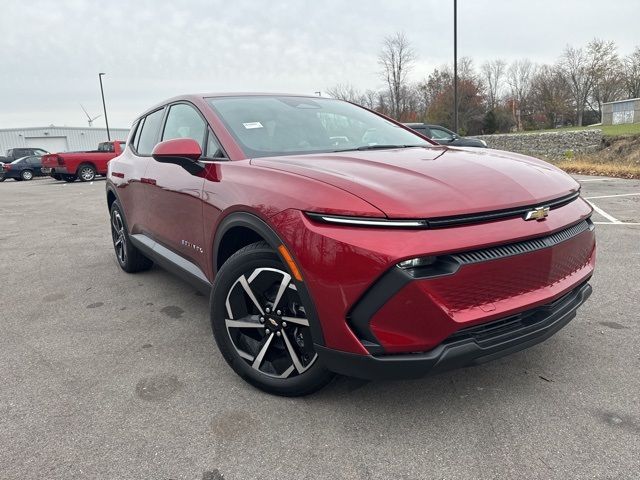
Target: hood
(433, 181)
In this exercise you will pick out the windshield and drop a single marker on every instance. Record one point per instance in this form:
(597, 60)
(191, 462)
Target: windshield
(272, 126)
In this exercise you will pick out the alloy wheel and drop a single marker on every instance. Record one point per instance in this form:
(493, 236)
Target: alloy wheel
(268, 325)
(27, 175)
(87, 174)
(119, 237)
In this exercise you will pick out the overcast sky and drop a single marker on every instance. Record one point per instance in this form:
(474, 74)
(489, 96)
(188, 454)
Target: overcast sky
(52, 51)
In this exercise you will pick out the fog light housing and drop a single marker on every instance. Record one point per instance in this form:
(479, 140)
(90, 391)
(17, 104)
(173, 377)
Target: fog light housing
(416, 262)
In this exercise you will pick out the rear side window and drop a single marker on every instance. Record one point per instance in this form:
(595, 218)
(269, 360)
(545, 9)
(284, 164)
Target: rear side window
(149, 134)
(183, 121)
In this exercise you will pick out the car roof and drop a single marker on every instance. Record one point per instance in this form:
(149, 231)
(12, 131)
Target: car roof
(200, 96)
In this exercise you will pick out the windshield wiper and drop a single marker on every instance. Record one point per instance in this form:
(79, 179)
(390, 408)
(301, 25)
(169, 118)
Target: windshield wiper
(377, 147)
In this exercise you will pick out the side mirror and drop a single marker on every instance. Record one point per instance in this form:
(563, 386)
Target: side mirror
(184, 152)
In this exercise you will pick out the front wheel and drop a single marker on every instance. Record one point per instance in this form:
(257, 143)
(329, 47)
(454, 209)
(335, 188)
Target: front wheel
(261, 325)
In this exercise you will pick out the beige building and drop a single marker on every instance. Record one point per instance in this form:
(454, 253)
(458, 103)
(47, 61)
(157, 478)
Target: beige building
(622, 111)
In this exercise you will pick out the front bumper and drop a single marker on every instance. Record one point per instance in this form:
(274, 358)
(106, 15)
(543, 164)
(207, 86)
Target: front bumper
(470, 346)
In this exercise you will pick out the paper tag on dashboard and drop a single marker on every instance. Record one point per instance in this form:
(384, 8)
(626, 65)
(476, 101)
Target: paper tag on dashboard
(250, 125)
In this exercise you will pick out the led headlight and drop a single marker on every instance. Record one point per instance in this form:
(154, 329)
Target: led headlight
(367, 221)
(417, 262)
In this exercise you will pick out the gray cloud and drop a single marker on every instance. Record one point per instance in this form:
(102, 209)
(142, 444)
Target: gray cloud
(51, 51)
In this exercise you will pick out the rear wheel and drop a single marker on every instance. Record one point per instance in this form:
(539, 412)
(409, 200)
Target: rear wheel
(261, 324)
(1, 178)
(26, 175)
(69, 178)
(86, 173)
(129, 258)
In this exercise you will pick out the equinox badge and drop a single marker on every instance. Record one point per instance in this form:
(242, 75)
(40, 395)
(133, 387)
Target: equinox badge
(538, 213)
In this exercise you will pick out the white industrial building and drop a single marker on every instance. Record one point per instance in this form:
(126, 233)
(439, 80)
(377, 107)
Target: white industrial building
(58, 139)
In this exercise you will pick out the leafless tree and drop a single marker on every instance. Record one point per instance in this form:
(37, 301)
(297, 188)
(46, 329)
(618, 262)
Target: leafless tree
(582, 68)
(632, 74)
(346, 91)
(493, 76)
(396, 60)
(519, 76)
(550, 95)
(608, 83)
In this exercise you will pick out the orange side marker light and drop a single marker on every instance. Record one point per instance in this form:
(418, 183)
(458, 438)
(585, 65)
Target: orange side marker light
(289, 259)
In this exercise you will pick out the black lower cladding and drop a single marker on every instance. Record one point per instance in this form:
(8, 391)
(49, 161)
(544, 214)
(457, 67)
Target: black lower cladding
(469, 346)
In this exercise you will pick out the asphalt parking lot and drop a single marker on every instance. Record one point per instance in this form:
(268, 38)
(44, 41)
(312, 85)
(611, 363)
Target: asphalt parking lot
(108, 375)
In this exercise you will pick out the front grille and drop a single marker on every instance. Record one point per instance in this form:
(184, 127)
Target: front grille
(526, 246)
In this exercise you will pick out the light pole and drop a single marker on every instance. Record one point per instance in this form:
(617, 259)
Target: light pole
(455, 66)
(104, 106)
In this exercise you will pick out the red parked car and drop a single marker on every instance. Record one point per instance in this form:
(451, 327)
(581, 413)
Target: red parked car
(69, 166)
(333, 239)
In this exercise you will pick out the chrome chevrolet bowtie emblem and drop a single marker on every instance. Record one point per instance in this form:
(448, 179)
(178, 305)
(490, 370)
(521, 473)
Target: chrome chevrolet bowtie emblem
(538, 213)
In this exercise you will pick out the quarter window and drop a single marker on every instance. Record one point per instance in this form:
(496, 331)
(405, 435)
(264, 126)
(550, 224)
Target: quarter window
(149, 133)
(213, 147)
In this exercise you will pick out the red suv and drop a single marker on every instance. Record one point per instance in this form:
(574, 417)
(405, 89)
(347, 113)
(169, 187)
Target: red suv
(335, 240)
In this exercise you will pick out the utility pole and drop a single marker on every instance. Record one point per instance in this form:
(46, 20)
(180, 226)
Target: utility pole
(104, 106)
(455, 66)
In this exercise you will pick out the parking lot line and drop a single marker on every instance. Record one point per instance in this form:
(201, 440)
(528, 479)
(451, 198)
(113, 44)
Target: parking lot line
(594, 180)
(611, 218)
(617, 223)
(612, 196)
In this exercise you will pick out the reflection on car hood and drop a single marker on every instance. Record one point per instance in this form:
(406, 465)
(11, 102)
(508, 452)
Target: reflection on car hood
(433, 181)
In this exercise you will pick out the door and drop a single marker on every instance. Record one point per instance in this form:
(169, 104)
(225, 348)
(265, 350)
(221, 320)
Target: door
(50, 144)
(129, 169)
(36, 165)
(175, 196)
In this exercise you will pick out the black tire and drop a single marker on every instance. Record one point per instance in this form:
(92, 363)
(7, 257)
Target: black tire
(86, 172)
(56, 176)
(26, 175)
(1, 178)
(273, 351)
(69, 178)
(130, 259)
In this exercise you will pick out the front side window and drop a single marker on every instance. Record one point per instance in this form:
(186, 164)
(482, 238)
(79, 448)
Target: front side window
(440, 134)
(273, 125)
(149, 133)
(183, 121)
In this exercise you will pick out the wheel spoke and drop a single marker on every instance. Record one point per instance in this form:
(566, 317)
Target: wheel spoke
(118, 242)
(286, 280)
(242, 324)
(292, 353)
(287, 372)
(249, 292)
(298, 321)
(258, 360)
